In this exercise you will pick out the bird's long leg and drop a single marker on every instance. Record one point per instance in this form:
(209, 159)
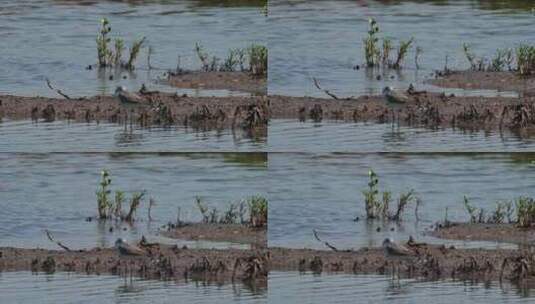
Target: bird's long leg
(131, 114)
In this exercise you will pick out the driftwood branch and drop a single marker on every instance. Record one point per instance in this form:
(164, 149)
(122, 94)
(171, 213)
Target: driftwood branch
(325, 243)
(54, 241)
(56, 90)
(317, 84)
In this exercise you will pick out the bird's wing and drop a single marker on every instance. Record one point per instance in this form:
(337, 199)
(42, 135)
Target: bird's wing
(400, 249)
(400, 97)
(134, 98)
(134, 250)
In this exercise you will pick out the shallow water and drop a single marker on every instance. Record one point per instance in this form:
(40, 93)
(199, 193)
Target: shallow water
(57, 192)
(324, 39)
(324, 192)
(293, 287)
(56, 40)
(287, 135)
(65, 287)
(64, 136)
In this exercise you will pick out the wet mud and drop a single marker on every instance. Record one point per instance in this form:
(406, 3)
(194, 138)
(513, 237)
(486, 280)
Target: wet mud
(158, 109)
(424, 109)
(232, 81)
(478, 80)
(506, 233)
(430, 262)
(234, 233)
(159, 262)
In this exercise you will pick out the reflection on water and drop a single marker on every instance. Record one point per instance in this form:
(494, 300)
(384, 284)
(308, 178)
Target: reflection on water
(291, 135)
(324, 192)
(324, 39)
(293, 287)
(57, 41)
(63, 136)
(57, 192)
(62, 287)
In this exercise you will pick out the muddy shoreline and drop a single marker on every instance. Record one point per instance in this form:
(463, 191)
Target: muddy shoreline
(478, 80)
(160, 262)
(507, 233)
(432, 262)
(430, 110)
(161, 109)
(234, 233)
(232, 81)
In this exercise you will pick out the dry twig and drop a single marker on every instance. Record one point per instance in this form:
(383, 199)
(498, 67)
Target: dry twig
(54, 241)
(56, 90)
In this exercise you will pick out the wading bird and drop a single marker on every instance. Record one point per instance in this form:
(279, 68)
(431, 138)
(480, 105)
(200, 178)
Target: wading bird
(394, 96)
(396, 253)
(395, 100)
(126, 249)
(129, 101)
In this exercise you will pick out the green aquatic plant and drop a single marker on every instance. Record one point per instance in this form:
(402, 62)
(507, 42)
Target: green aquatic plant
(403, 49)
(119, 200)
(203, 209)
(380, 208)
(134, 52)
(499, 61)
(119, 48)
(135, 202)
(103, 52)
(103, 202)
(258, 60)
(208, 64)
(371, 50)
(525, 57)
(372, 204)
(476, 215)
(387, 48)
(403, 201)
(258, 211)
(470, 56)
(525, 211)
(376, 56)
(113, 58)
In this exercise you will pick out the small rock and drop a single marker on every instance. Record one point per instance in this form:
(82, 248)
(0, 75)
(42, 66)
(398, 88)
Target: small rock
(378, 229)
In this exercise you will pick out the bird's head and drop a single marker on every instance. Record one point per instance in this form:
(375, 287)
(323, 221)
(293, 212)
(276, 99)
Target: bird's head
(387, 90)
(119, 242)
(387, 242)
(120, 89)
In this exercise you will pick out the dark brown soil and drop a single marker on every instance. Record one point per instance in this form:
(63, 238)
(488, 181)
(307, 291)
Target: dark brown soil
(425, 110)
(232, 81)
(161, 109)
(474, 80)
(430, 262)
(220, 232)
(170, 262)
(160, 262)
(508, 233)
